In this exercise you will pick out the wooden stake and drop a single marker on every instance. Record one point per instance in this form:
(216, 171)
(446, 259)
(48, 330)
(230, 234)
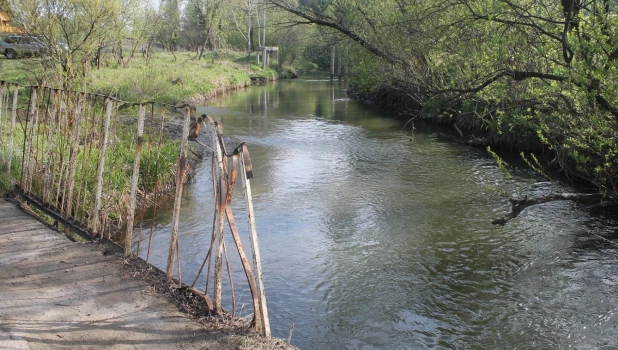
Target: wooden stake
(132, 195)
(255, 248)
(74, 154)
(25, 161)
(47, 175)
(99, 189)
(12, 131)
(180, 179)
(219, 175)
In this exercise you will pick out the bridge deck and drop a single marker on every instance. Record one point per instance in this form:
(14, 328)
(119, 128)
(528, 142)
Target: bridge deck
(55, 293)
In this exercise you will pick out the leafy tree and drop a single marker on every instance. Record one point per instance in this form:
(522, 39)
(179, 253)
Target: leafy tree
(4, 7)
(200, 27)
(73, 29)
(530, 71)
(169, 33)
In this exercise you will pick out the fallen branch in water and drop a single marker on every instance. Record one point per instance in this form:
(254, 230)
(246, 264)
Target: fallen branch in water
(517, 205)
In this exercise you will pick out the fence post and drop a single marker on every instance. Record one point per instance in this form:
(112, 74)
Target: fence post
(257, 262)
(2, 108)
(220, 175)
(48, 154)
(99, 189)
(25, 161)
(332, 62)
(12, 131)
(73, 156)
(138, 153)
(180, 179)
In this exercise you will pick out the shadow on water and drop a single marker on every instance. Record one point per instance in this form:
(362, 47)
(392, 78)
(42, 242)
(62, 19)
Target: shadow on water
(376, 237)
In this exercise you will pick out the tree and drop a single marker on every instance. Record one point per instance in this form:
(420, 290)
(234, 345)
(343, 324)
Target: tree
(530, 71)
(201, 17)
(4, 7)
(73, 30)
(169, 33)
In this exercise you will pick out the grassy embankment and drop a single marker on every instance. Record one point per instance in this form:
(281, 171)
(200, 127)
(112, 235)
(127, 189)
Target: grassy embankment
(168, 78)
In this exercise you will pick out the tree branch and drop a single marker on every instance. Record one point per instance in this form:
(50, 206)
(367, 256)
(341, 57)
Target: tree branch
(518, 205)
(342, 29)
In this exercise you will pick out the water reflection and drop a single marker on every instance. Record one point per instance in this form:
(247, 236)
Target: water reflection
(376, 238)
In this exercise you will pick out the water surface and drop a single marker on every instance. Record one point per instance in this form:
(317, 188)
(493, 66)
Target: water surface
(374, 237)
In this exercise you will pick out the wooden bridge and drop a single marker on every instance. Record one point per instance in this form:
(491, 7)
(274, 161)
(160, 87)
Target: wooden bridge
(60, 294)
(93, 171)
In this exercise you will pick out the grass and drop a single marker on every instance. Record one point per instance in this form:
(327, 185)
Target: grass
(171, 78)
(23, 72)
(167, 77)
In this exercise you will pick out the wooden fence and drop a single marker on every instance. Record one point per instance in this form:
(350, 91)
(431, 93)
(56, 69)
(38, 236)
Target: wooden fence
(96, 172)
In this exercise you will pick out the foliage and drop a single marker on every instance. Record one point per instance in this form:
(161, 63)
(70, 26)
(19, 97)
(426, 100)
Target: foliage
(284, 72)
(73, 29)
(530, 73)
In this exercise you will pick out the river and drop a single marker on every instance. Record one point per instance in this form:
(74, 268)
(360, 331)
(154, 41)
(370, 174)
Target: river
(376, 237)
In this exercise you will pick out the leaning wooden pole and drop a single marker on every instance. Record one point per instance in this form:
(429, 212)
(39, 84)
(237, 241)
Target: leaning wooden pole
(99, 188)
(221, 178)
(180, 179)
(246, 174)
(128, 239)
(241, 252)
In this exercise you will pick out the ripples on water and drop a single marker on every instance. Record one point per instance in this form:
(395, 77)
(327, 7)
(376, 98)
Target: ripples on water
(377, 238)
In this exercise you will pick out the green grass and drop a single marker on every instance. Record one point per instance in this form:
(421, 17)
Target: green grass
(171, 79)
(167, 77)
(23, 71)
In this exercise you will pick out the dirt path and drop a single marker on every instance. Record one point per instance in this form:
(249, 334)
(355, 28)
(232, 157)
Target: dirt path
(57, 294)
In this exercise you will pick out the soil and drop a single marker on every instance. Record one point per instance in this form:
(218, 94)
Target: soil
(59, 294)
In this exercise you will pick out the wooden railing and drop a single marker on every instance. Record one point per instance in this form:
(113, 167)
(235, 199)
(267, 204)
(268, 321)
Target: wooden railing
(95, 172)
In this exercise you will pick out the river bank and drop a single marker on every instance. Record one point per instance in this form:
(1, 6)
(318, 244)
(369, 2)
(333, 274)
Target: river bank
(559, 150)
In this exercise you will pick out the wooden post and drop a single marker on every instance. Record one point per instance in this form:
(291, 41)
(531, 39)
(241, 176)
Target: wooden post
(241, 252)
(180, 179)
(12, 131)
(74, 154)
(25, 162)
(133, 194)
(264, 57)
(99, 189)
(332, 62)
(220, 175)
(47, 175)
(346, 65)
(255, 248)
(2, 98)
(245, 263)
(5, 92)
